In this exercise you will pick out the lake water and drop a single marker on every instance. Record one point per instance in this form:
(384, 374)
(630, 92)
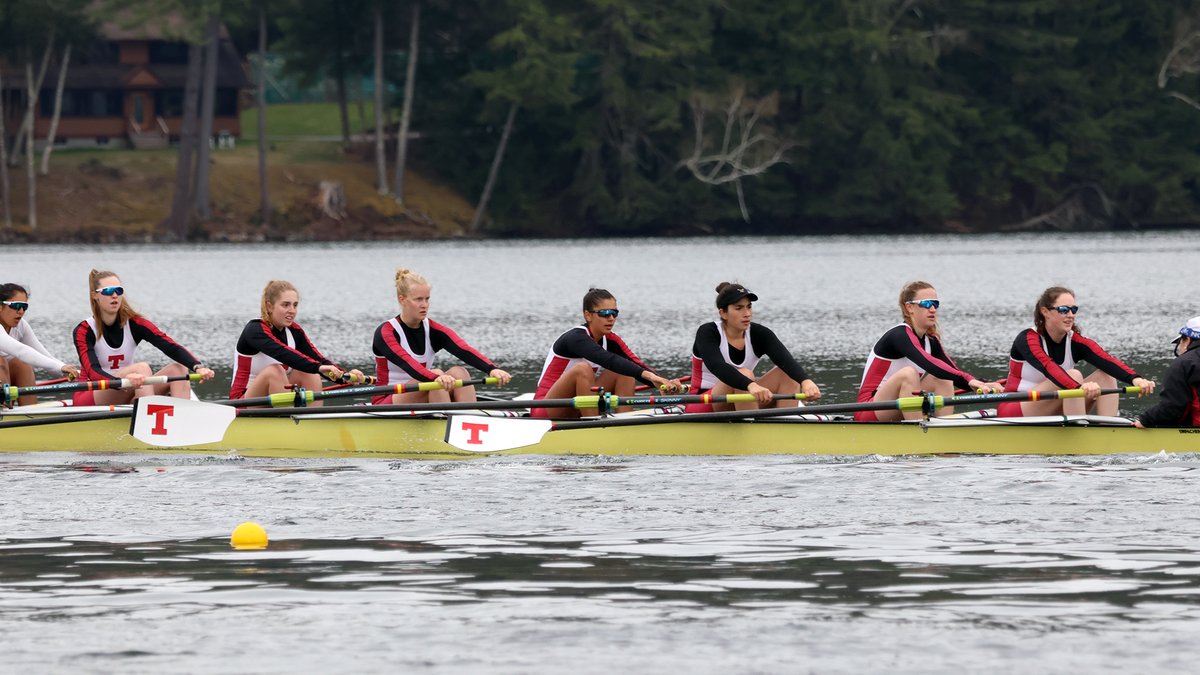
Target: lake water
(523, 564)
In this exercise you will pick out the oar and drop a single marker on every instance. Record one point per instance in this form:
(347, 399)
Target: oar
(173, 422)
(10, 393)
(491, 434)
(608, 402)
(300, 397)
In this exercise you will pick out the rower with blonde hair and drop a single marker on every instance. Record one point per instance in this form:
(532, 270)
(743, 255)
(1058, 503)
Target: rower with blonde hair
(107, 344)
(405, 347)
(910, 357)
(274, 353)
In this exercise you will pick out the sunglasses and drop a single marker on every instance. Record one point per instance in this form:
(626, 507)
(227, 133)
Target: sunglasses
(17, 305)
(925, 304)
(111, 290)
(1066, 309)
(606, 313)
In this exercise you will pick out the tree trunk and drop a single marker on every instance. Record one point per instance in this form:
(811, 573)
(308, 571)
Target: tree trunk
(380, 158)
(343, 105)
(490, 185)
(4, 185)
(58, 97)
(208, 107)
(261, 102)
(25, 133)
(359, 95)
(175, 227)
(410, 77)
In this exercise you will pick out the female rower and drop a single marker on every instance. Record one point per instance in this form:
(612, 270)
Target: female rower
(592, 355)
(910, 357)
(725, 352)
(274, 353)
(405, 347)
(1044, 358)
(20, 349)
(107, 344)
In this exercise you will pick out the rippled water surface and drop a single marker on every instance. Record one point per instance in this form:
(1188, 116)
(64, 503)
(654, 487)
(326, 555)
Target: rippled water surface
(762, 564)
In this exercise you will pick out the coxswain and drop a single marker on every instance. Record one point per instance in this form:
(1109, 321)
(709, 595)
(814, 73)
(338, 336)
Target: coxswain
(591, 355)
(274, 353)
(909, 358)
(20, 349)
(1046, 358)
(406, 345)
(726, 351)
(107, 341)
(1179, 400)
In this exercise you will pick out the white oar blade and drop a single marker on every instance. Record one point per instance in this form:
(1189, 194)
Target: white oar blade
(172, 422)
(475, 433)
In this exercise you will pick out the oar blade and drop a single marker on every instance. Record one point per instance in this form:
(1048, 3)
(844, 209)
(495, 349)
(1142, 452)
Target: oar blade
(477, 433)
(167, 421)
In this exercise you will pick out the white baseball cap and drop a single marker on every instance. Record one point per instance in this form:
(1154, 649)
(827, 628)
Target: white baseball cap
(1191, 329)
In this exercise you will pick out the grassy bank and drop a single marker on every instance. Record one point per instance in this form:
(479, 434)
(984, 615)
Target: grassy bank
(115, 195)
(306, 119)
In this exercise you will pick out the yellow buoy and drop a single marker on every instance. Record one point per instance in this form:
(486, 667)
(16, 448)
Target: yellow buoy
(248, 536)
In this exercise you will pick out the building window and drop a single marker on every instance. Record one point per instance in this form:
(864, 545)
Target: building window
(226, 104)
(168, 102)
(84, 103)
(168, 52)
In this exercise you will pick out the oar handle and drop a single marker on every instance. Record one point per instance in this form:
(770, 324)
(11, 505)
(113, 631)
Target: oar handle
(10, 393)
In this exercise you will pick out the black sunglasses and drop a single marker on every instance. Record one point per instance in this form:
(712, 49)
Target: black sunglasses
(606, 313)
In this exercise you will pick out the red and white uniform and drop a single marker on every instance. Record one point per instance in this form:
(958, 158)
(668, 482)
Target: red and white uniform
(576, 346)
(261, 346)
(703, 379)
(102, 353)
(715, 360)
(899, 348)
(405, 355)
(1035, 358)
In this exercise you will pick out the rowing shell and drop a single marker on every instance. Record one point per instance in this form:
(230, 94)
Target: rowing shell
(400, 436)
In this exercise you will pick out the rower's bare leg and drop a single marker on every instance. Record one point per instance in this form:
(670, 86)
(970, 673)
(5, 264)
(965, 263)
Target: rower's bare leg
(466, 394)
(1108, 404)
(270, 380)
(21, 374)
(4, 376)
(181, 389)
(620, 385)
(412, 397)
(1055, 406)
(938, 387)
(902, 383)
(780, 383)
(119, 396)
(310, 381)
(576, 381)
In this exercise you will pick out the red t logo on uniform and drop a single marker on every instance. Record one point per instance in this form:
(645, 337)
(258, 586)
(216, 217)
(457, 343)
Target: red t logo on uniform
(114, 360)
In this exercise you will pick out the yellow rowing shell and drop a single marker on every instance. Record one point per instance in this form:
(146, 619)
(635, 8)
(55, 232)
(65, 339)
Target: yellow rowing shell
(361, 436)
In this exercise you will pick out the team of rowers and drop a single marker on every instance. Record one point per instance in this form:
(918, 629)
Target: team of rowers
(274, 354)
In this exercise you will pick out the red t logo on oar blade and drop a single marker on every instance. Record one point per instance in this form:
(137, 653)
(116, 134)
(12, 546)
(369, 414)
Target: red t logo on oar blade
(160, 412)
(475, 428)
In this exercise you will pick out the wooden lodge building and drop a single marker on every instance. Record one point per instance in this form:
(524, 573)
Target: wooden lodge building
(124, 90)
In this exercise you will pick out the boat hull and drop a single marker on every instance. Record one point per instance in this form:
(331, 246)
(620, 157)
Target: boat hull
(422, 438)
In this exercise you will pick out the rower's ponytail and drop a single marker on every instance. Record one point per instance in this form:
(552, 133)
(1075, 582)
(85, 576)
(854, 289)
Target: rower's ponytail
(124, 314)
(270, 295)
(406, 279)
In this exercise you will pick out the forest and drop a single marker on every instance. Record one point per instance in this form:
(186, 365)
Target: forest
(622, 117)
